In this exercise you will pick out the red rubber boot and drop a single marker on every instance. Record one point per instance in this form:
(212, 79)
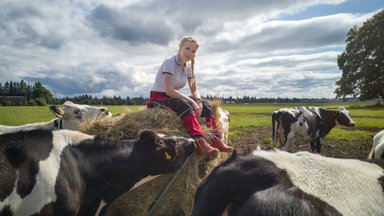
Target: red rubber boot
(217, 143)
(203, 148)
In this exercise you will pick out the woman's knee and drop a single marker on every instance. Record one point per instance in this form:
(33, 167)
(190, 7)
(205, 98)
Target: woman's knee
(207, 109)
(182, 107)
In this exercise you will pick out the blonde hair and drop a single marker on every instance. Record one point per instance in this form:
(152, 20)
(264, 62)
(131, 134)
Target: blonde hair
(186, 39)
(181, 44)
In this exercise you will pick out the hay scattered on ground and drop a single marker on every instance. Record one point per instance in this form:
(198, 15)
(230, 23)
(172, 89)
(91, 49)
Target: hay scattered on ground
(179, 199)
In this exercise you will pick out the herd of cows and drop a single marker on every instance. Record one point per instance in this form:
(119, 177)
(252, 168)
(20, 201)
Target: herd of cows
(51, 168)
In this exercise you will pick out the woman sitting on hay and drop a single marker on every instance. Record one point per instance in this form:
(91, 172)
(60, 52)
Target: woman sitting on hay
(173, 74)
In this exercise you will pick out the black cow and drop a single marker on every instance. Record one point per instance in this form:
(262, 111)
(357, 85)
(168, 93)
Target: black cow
(268, 183)
(302, 125)
(71, 173)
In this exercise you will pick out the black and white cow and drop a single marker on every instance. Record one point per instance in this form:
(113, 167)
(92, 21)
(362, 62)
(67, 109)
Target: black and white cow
(302, 125)
(70, 117)
(377, 151)
(267, 183)
(66, 172)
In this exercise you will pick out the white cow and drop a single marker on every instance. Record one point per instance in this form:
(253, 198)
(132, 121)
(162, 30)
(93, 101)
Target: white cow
(377, 151)
(223, 119)
(70, 117)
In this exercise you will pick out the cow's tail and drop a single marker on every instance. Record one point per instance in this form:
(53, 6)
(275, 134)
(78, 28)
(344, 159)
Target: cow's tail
(371, 154)
(275, 125)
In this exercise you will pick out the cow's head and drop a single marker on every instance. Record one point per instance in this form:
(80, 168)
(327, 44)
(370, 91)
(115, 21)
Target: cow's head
(343, 117)
(167, 152)
(73, 115)
(231, 183)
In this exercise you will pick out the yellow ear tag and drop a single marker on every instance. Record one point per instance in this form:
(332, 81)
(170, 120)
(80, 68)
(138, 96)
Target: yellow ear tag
(167, 156)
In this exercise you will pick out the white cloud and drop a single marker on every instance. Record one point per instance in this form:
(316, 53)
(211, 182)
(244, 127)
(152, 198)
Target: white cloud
(115, 47)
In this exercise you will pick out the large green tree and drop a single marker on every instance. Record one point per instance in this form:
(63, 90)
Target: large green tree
(362, 62)
(39, 91)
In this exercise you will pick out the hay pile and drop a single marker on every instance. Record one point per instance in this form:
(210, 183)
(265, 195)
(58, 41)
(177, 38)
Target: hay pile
(179, 199)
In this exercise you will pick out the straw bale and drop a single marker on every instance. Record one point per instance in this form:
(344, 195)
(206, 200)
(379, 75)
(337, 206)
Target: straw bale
(179, 199)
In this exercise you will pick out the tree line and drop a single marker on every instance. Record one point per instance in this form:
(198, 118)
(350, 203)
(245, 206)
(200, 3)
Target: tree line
(14, 93)
(22, 93)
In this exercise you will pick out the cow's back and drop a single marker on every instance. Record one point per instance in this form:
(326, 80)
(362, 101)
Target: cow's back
(20, 155)
(312, 117)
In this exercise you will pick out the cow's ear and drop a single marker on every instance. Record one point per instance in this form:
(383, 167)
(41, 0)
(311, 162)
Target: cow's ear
(68, 103)
(57, 111)
(341, 108)
(148, 136)
(233, 157)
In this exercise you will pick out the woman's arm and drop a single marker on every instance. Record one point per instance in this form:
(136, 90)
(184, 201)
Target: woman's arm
(173, 93)
(193, 87)
(195, 94)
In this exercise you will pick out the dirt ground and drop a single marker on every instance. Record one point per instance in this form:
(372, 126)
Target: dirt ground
(261, 136)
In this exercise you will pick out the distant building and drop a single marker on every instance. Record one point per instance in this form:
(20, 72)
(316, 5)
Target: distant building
(229, 101)
(12, 100)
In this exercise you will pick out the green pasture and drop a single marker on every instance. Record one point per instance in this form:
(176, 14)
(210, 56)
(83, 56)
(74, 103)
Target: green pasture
(18, 115)
(244, 117)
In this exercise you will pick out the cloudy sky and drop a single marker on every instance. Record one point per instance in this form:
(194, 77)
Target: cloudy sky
(259, 48)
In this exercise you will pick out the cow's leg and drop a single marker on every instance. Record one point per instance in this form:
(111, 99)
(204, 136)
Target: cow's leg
(287, 143)
(278, 133)
(274, 120)
(286, 146)
(316, 146)
(274, 133)
(281, 135)
(289, 139)
(313, 146)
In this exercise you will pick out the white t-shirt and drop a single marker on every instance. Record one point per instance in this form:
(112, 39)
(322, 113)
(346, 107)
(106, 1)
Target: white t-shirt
(171, 66)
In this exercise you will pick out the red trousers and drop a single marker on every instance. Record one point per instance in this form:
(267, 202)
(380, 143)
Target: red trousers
(185, 111)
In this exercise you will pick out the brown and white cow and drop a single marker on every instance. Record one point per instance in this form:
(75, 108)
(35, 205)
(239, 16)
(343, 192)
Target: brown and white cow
(266, 183)
(302, 125)
(64, 172)
(70, 117)
(377, 151)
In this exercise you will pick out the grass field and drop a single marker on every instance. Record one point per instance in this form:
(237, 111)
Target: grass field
(245, 118)
(366, 117)
(252, 123)
(18, 115)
